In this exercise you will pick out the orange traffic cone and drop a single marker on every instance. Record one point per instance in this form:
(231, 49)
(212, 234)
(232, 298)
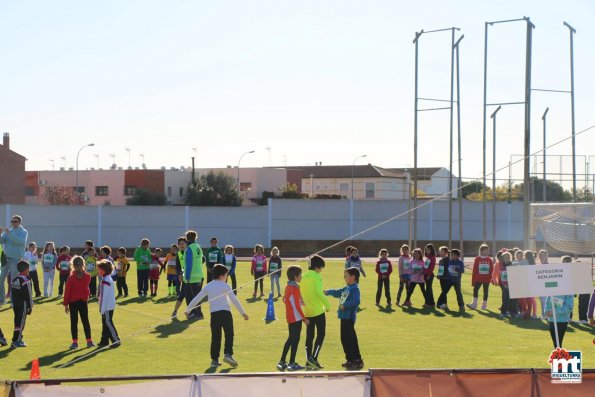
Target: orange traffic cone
(35, 374)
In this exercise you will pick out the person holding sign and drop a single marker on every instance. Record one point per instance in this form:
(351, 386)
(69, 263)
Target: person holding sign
(384, 269)
(563, 305)
(404, 271)
(259, 268)
(274, 271)
(63, 266)
(483, 267)
(49, 259)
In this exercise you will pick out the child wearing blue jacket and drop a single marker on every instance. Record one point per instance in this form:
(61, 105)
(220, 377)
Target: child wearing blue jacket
(563, 305)
(349, 299)
(454, 270)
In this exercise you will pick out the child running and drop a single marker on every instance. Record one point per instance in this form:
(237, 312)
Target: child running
(355, 261)
(230, 264)
(76, 296)
(49, 259)
(258, 269)
(295, 317)
(32, 258)
(404, 272)
(22, 302)
(107, 305)
(63, 266)
(349, 300)
(483, 268)
(122, 267)
(384, 269)
(417, 276)
(316, 304)
(274, 271)
(219, 293)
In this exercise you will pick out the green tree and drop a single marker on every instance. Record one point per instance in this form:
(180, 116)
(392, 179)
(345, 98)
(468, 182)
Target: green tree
(218, 190)
(471, 187)
(145, 197)
(290, 191)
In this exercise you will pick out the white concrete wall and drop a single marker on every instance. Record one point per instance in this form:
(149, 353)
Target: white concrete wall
(384, 188)
(246, 226)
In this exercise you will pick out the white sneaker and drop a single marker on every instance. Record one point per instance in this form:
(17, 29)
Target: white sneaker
(484, 305)
(229, 359)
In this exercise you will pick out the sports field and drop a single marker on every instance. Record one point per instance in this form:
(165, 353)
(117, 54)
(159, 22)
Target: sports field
(389, 338)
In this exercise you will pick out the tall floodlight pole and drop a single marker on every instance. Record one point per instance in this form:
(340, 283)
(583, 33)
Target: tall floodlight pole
(493, 117)
(77, 171)
(460, 184)
(572, 32)
(239, 161)
(527, 126)
(415, 124)
(544, 190)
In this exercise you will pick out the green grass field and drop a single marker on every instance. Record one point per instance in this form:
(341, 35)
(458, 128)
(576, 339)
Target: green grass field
(400, 338)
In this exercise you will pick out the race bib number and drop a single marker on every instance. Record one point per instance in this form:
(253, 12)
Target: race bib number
(144, 259)
(273, 266)
(118, 266)
(259, 266)
(557, 303)
(440, 270)
(417, 267)
(90, 266)
(384, 267)
(48, 258)
(504, 276)
(64, 265)
(406, 265)
(228, 265)
(484, 268)
(213, 257)
(154, 266)
(32, 265)
(453, 271)
(171, 263)
(427, 264)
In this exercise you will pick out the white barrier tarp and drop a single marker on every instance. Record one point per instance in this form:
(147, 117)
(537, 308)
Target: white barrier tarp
(274, 386)
(215, 386)
(174, 387)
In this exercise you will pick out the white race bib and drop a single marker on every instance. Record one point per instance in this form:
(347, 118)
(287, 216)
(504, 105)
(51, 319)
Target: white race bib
(90, 266)
(273, 266)
(259, 265)
(64, 265)
(154, 266)
(427, 264)
(504, 275)
(32, 265)
(406, 265)
(452, 270)
(484, 268)
(383, 267)
(48, 258)
(171, 263)
(417, 267)
(213, 257)
(440, 270)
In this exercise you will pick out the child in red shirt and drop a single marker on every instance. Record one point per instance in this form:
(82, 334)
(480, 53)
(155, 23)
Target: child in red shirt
(295, 317)
(76, 296)
(63, 265)
(155, 268)
(259, 268)
(483, 268)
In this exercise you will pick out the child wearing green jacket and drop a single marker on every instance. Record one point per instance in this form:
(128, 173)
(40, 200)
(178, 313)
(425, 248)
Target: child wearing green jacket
(142, 257)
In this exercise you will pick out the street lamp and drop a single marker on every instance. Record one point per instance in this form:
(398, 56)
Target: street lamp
(352, 167)
(77, 171)
(243, 154)
(128, 150)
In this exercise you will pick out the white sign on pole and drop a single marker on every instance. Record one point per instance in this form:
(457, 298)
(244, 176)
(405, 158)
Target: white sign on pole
(527, 281)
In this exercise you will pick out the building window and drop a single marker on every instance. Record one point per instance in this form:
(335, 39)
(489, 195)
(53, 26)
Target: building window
(101, 190)
(169, 191)
(181, 191)
(344, 187)
(369, 190)
(129, 190)
(245, 186)
(81, 189)
(29, 191)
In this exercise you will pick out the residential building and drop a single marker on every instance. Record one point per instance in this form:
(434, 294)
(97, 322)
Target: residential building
(12, 174)
(432, 181)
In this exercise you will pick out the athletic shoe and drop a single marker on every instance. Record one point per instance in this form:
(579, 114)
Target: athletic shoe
(583, 322)
(346, 364)
(471, 306)
(229, 359)
(174, 314)
(18, 343)
(215, 364)
(116, 344)
(73, 346)
(101, 345)
(426, 306)
(294, 367)
(311, 364)
(318, 364)
(356, 364)
(484, 305)
(3, 341)
(200, 317)
(281, 365)
(443, 307)
(407, 303)
(398, 303)
(462, 309)
(502, 315)
(90, 344)
(191, 316)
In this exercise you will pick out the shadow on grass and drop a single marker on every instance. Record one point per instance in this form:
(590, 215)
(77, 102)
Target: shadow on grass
(528, 324)
(414, 310)
(254, 299)
(212, 370)
(488, 313)
(457, 313)
(580, 327)
(175, 327)
(128, 301)
(165, 299)
(388, 309)
(46, 361)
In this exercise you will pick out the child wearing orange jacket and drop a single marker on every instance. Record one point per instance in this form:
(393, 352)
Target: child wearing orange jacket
(483, 268)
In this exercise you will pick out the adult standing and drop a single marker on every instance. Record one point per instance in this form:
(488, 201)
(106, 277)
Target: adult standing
(14, 240)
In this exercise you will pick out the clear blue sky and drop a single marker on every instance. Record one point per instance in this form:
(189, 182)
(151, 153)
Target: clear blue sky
(313, 80)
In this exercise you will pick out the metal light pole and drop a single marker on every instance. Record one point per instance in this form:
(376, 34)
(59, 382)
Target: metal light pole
(352, 167)
(493, 116)
(572, 32)
(77, 172)
(239, 161)
(53, 166)
(544, 190)
(97, 157)
(460, 184)
(128, 150)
